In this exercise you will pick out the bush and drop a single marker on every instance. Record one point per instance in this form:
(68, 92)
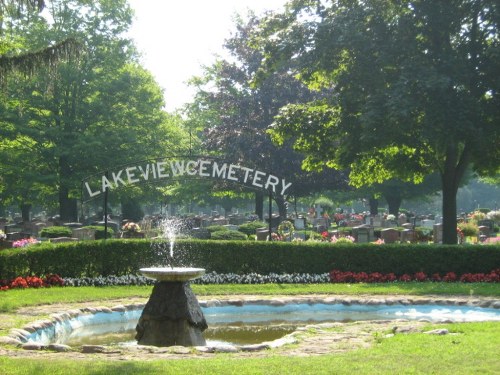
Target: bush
(469, 229)
(230, 235)
(55, 232)
(215, 228)
(99, 231)
(251, 228)
(118, 257)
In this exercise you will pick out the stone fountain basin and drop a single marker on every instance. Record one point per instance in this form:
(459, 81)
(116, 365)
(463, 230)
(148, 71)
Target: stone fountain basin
(173, 274)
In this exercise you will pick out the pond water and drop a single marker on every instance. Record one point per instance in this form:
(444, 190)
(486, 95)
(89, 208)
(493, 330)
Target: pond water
(253, 323)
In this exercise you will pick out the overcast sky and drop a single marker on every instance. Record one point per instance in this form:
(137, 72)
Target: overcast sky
(177, 37)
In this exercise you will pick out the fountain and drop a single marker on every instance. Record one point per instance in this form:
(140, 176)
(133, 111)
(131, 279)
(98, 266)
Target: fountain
(172, 315)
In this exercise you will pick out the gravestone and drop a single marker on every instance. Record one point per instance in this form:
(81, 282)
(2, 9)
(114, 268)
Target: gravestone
(438, 233)
(390, 235)
(363, 233)
(83, 233)
(428, 223)
(487, 223)
(408, 235)
(376, 221)
(299, 223)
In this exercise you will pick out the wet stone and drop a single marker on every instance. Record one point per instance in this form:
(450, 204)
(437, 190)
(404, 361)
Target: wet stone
(59, 348)
(33, 346)
(6, 340)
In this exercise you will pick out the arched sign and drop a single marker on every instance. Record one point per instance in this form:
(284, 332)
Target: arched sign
(175, 168)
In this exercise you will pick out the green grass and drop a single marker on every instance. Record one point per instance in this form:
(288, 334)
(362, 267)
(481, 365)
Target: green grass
(471, 348)
(13, 299)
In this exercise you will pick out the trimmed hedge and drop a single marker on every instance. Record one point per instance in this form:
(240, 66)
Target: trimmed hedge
(123, 257)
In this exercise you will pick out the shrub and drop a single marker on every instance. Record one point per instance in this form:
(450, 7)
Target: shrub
(251, 228)
(469, 229)
(215, 228)
(229, 235)
(99, 231)
(55, 232)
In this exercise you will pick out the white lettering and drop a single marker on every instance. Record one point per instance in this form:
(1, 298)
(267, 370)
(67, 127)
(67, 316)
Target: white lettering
(257, 177)
(161, 168)
(191, 168)
(231, 174)
(145, 174)
(285, 186)
(275, 181)
(91, 193)
(131, 175)
(106, 184)
(177, 168)
(247, 173)
(216, 172)
(116, 178)
(204, 168)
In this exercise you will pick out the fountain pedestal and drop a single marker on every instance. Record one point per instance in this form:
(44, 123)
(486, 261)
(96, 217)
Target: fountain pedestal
(172, 315)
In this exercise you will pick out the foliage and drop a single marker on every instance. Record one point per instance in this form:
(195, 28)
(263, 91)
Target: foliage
(469, 229)
(229, 235)
(409, 81)
(55, 232)
(251, 227)
(215, 228)
(99, 231)
(119, 257)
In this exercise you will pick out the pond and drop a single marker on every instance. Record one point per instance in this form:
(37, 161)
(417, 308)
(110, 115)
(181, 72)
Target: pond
(253, 323)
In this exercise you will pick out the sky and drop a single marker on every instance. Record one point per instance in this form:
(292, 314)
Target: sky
(177, 37)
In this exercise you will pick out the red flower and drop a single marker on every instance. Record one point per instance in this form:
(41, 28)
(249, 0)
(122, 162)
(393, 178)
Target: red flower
(450, 276)
(19, 282)
(405, 278)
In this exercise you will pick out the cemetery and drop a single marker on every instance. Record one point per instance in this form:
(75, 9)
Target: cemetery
(326, 201)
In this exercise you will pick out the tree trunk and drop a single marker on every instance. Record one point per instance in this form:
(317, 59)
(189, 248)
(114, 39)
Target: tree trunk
(394, 203)
(449, 212)
(68, 208)
(454, 169)
(25, 211)
(259, 205)
(373, 202)
(280, 202)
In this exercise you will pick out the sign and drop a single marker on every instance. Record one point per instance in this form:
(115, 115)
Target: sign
(172, 169)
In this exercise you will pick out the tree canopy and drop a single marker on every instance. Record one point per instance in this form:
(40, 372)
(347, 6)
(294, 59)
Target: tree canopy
(414, 88)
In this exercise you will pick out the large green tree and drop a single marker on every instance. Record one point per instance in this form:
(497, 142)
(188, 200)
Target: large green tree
(234, 116)
(414, 88)
(84, 115)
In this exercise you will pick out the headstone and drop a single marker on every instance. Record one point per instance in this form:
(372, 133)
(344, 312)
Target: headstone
(390, 235)
(363, 233)
(377, 221)
(428, 223)
(487, 223)
(299, 223)
(484, 231)
(438, 233)
(83, 233)
(261, 234)
(408, 235)
(62, 239)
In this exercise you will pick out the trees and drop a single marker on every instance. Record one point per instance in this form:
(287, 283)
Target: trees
(84, 115)
(413, 88)
(235, 115)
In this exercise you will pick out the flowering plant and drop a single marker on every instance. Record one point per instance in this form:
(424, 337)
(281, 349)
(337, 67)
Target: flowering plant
(25, 242)
(390, 217)
(3, 236)
(131, 227)
(339, 240)
(493, 215)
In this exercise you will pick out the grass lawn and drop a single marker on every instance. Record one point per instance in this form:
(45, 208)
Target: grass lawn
(470, 348)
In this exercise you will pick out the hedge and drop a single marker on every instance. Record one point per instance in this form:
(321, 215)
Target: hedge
(122, 257)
